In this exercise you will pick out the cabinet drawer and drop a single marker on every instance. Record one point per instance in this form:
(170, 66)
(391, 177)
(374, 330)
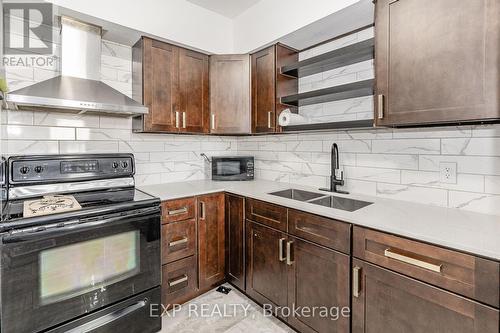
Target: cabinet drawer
(461, 273)
(179, 281)
(271, 215)
(178, 240)
(178, 210)
(327, 232)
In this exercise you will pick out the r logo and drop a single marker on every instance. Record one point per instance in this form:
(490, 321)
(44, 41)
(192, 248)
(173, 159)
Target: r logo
(35, 35)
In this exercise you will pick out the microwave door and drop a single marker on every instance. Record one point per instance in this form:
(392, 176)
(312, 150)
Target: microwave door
(55, 275)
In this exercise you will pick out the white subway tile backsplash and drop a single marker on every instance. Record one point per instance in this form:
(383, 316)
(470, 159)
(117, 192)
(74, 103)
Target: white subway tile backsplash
(65, 119)
(107, 134)
(21, 147)
(404, 146)
(17, 132)
(492, 184)
(91, 147)
(471, 146)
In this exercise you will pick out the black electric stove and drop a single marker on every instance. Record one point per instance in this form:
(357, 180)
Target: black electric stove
(96, 267)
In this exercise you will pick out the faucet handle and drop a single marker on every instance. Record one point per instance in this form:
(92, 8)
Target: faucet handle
(339, 174)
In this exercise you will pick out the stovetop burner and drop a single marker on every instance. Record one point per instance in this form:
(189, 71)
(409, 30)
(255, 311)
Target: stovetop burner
(14, 209)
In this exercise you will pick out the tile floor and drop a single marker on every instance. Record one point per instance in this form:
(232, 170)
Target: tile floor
(238, 314)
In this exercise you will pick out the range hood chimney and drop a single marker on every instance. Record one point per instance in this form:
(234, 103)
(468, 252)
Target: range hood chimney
(79, 88)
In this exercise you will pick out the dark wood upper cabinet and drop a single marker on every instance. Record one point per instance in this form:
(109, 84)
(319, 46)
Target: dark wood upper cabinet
(266, 268)
(156, 66)
(235, 240)
(436, 61)
(384, 301)
(230, 94)
(264, 90)
(211, 240)
(268, 85)
(318, 277)
(194, 105)
(173, 83)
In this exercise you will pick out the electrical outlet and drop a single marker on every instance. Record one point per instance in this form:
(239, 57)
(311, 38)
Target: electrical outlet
(448, 172)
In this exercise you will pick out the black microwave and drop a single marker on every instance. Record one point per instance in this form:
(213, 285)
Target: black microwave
(233, 168)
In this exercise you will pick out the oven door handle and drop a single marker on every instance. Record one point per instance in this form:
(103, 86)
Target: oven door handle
(109, 318)
(18, 236)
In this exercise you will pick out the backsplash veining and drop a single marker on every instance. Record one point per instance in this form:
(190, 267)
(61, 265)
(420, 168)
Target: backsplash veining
(399, 164)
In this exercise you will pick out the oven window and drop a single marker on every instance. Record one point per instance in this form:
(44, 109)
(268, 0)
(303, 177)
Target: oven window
(228, 168)
(73, 270)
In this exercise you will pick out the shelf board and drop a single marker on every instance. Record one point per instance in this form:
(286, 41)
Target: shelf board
(337, 93)
(345, 56)
(353, 124)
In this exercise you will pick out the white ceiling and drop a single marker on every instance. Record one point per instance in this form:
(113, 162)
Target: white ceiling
(227, 8)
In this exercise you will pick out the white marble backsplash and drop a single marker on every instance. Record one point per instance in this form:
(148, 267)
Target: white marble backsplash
(402, 164)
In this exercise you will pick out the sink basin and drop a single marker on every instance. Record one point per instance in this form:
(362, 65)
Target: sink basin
(297, 194)
(346, 204)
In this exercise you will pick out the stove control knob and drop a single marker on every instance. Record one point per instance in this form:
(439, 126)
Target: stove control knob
(24, 170)
(38, 169)
(124, 164)
(114, 165)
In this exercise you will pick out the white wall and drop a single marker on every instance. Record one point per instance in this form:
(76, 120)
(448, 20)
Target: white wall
(185, 23)
(175, 20)
(269, 20)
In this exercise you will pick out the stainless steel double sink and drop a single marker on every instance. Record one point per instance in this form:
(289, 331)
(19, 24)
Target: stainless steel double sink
(325, 200)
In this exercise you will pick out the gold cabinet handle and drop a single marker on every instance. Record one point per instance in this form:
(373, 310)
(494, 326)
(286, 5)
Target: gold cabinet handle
(183, 278)
(179, 211)
(202, 210)
(178, 242)
(177, 119)
(184, 120)
(356, 287)
(269, 114)
(289, 260)
(281, 248)
(396, 255)
(213, 121)
(380, 106)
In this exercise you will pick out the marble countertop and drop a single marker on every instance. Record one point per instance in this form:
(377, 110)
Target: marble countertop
(457, 229)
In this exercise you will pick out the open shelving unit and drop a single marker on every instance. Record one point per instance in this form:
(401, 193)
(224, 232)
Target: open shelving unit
(348, 55)
(345, 56)
(336, 93)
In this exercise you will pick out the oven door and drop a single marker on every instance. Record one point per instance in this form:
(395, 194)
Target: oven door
(58, 274)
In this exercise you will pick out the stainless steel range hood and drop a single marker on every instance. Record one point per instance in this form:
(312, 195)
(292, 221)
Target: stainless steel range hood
(79, 87)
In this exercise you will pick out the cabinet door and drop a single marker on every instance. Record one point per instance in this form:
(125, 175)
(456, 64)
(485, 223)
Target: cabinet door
(230, 94)
(211, 247)
(235, 240)
(264, 90)
(318, 277)
(437, 61)
(266, 268)
(390, 302)
(193, 87)
(160, 84)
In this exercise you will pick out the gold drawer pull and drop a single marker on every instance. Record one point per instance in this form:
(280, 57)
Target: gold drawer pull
(179, 211)
(356, 279)
(412, 261)
(184, 278)
(178, 242)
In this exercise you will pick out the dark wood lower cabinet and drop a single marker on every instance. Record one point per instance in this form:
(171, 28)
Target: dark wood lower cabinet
(318, 280)
(211, 240)
(266, 268)
(235, 240)
(179, 281)
(392, 303)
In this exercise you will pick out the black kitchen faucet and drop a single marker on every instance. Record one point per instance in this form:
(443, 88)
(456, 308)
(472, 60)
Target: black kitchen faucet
(337, 175)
